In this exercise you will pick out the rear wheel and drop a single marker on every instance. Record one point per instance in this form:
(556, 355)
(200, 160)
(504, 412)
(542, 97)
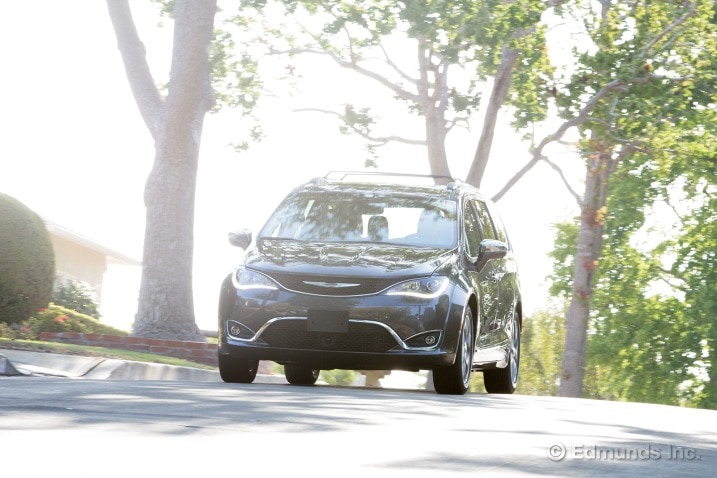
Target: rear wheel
(237, 370)
(455, 379)
(505, 380)
(298, 374)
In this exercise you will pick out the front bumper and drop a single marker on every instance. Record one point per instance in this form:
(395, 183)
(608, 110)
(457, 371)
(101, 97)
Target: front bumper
(360, 333)
(331, 359)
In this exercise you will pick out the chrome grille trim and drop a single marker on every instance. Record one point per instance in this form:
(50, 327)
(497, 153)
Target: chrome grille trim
(256, 339)
(332, 286)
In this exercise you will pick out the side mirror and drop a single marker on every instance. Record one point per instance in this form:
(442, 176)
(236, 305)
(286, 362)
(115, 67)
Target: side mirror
(490, 249)
(240, 238)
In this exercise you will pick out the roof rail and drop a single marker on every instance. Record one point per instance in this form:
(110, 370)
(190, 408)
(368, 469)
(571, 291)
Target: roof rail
(342, 175)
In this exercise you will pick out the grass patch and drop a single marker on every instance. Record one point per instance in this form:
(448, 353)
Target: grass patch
(88, 351)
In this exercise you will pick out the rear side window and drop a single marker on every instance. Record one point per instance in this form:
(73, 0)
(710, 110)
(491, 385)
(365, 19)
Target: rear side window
(486, 224)
(471, 229)
(498, 223)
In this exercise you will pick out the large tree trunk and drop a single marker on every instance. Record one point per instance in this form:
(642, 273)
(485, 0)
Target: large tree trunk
(166, 306)
(592, 219)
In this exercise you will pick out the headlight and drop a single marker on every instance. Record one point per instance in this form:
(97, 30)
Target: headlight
(426, 288)
(247, 279)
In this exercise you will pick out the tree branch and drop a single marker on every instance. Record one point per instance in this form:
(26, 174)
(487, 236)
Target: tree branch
(690, 11)
(149, 101)
(564, 179)
(394, 67)
(400, 92)
(580, 118)
(379, 140)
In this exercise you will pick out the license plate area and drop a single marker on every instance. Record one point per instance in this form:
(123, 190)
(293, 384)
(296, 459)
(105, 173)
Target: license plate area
(328, 321)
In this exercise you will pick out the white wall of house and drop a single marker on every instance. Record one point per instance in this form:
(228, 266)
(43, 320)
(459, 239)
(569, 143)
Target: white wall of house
(113, 277)
(78, 263)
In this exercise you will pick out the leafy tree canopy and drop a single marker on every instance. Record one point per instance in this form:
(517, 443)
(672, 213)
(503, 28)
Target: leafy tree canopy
(447, 51)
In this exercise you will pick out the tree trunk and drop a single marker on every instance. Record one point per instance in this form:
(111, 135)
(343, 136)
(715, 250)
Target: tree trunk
(501, 85)
(436, 142)
(432, 96)
(592, 219)
(166, 306)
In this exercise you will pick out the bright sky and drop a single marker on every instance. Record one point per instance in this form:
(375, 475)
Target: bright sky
(76, 151)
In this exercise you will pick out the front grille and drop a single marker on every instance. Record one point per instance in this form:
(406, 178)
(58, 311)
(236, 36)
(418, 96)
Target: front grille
(331, 285)
(361, 337)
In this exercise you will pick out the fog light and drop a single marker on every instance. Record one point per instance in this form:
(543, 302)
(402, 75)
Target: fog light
(239, 331)
(425, 339)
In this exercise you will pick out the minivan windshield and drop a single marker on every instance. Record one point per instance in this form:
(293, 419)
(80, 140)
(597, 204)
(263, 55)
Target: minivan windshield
(353, 217)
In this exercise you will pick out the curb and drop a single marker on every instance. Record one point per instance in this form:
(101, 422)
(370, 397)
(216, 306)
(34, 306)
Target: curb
(7, 368)
(52, 364)
(43, 364)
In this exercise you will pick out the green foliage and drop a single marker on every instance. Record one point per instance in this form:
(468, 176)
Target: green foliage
(15, 331)
(27, 261)
(649, 76)
(450, 39)
(356, 120)
(541, 353)
(76, 296)
(338, 377)
(233, 62)
(652, 335)
(694, 267)
(57, 319)
(563, 259)
(477, 385)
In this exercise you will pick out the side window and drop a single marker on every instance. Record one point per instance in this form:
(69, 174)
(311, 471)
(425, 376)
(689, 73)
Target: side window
(498, 223)
(471, 229)
(486, 224)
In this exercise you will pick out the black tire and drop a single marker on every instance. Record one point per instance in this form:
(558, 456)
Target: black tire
(505, 380)
(237, 370)
(456, 379)
(298, 374)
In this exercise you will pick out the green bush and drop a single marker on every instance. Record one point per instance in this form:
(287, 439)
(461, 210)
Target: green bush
(27, 261)
(14, 331)
(56, 319)
(338, 377)
(77, 296)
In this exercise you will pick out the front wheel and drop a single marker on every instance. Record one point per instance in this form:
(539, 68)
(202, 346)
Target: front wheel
(456, 379)
(298, 374)
(505, 380)
(237, 370)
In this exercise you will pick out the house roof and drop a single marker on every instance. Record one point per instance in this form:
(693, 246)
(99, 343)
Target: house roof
(113, 257)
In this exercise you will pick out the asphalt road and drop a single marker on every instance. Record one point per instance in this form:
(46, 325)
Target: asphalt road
(64, 427)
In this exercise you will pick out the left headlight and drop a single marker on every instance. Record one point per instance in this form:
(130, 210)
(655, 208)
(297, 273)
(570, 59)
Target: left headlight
(425, 288)
(244, 279)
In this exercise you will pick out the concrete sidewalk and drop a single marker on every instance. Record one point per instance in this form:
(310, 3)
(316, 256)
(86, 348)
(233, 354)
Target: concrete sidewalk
(25, 363)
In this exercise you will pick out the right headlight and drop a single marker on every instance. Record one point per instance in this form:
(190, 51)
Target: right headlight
(424, 288)
(245, 279)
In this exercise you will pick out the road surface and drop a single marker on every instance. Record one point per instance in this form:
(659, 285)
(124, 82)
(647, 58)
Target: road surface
(64, 427)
